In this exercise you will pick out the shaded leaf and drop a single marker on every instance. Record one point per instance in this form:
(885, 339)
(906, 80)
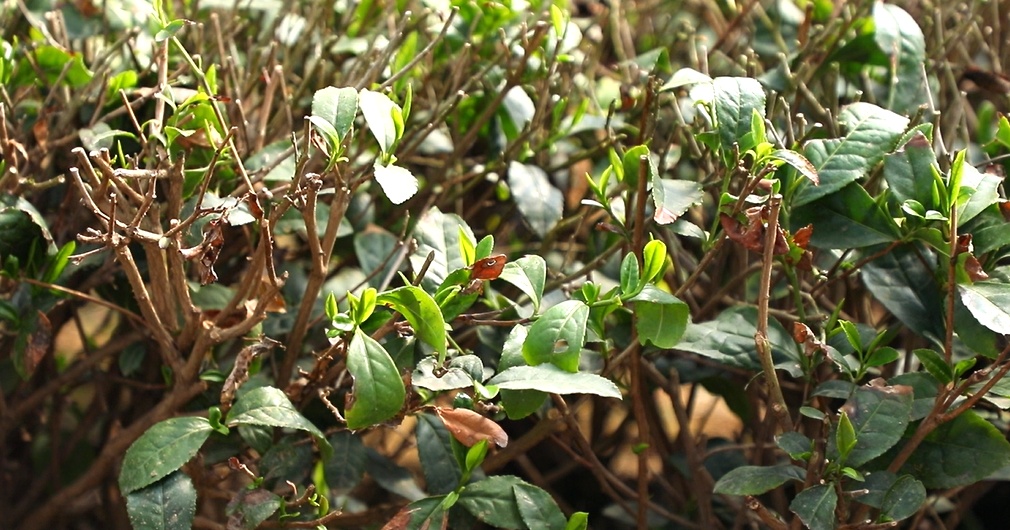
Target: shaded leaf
(539, 202)
(537, 508)
(251, 507)
(959, 452)
(168, 504)
(755, 480)
(879, 415)
(438, 462)
(816, 506)
(558, 336)
(492, 501)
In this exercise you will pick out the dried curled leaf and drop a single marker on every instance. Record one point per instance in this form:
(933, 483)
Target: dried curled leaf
(468, 427)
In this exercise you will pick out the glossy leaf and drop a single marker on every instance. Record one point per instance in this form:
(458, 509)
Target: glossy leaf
(528, 273)
(551, 379)
(988, 302)
(558, 336)
(420, 309)
(729, 339)
(161, 450)
(168, 504)
(935, 364)
(540, 203)
(878, 416)
(439, 233)
(378, 392)
(755, 480)
(378, 111)
(338, 106)
(537, 508)
(961, 451)
(816, 506)
(904, 498)
(518, 403)
(735, 99)
(871, 132)
(672, 198)
(661, 317)
(798, 162)
(849, 218)
(911, 172)
(900, 282)
(269, 406)
(898, 36)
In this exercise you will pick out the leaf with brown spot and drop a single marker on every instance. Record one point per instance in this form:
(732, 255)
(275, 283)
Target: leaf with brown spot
(40, 341)
(468, 427)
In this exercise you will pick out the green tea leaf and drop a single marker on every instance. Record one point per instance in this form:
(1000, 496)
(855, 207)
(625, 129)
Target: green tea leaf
(558, 336)
(162, 449)
(755, 480)
(816, 506)
(168, 504)
(528, 273)
(378, 392)
(551, 379)
(540, 203)
(959, 452)
(423, 313)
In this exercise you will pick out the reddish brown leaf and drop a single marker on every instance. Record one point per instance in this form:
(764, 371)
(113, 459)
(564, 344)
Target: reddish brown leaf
(488, 268)
(802, 236)
(468, 427)
(803, 335)
(974, 269)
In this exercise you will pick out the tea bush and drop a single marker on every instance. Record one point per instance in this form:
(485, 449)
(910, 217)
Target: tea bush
(481, 264)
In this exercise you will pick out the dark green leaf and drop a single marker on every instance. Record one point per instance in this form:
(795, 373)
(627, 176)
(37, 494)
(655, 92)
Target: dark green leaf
(374, 248)
(378, 389)
(551, 379)
(518, 403)
(434, 447)
(392, 477)
(795, 444)
(879, 415)
(537, 508)
(755, 480)
(849, 218)
(662, 324)
(900, 281)
(871, 133)
(899, 37)
(492, 501)
(630, 280)
(729, 339)
(162, 449)
(439, 233)
(269, 406)
(911, 172)
(903, 499)
(962, 451)
(346, 467)
(735, 99)
(935, 364)
(816, 507)
(168, 504)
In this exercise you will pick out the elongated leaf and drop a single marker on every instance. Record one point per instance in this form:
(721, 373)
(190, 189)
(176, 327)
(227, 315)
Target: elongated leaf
(984, 193)
(904, 499)
(164, 448)
(729, 339)
(551, 379)
(960, 452)
(518, 403)
(755, 480)
(799, 162)
(168, 504)
(469, 427)
(537, 508)
(540, 203)
(558, 336)
(899, 37)
(421, 310)
(378, 111)
(816, 506)
(345, 469)
(269, 406)
(988, 302)
(735, 99)
(528, 273)
(849, 218)
(378, 390)
(900, 282)
(441, 469)
(879, 415)
(872, 133)
(912, 171)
